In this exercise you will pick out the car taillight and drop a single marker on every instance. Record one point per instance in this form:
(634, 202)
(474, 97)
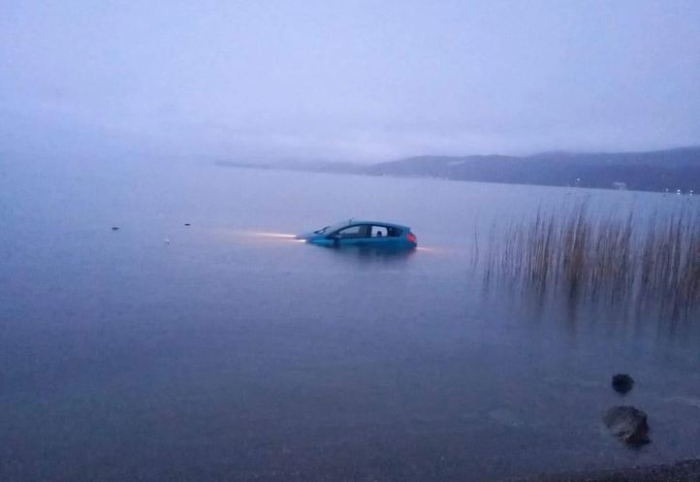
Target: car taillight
(411, 237)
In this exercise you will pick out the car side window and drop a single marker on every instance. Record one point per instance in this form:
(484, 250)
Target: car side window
(380, 231)
(394, 232)
(353, 232)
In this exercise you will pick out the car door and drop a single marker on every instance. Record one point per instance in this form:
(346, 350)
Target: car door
(355, 235)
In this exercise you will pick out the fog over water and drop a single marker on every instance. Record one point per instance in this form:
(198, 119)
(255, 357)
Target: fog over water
(353, 80)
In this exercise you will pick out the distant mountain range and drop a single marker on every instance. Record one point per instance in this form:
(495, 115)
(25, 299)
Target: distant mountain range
(670, 170)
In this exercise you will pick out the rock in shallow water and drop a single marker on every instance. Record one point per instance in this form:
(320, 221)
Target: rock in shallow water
(622, 383)
(629, 424)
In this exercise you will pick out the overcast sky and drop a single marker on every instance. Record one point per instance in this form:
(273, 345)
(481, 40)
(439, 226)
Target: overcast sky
(352, 80)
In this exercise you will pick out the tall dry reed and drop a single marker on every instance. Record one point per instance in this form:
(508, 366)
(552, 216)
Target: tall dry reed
(652, 261)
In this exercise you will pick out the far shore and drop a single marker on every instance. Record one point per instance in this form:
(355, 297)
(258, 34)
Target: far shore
(674, 171)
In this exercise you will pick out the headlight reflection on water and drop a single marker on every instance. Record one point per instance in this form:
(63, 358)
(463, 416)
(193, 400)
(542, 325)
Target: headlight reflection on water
(265, 234)
(253, 237)
(270, 237)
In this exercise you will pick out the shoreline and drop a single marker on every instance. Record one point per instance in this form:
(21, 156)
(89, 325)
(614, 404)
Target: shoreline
(683, 471)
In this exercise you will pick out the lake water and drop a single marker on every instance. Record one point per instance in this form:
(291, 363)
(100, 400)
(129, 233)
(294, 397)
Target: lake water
(229, 352)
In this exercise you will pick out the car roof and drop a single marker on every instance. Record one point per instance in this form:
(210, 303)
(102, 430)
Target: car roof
(352, 222)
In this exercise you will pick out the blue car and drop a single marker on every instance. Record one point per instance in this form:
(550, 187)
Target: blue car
(363, 233)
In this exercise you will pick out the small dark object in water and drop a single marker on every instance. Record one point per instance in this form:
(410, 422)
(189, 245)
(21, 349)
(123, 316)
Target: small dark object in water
(628, 424)
(115, 228)
(187, 224)
(622, 383)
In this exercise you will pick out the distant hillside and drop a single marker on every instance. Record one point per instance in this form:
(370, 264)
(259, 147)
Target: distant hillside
(642, 171)
(645, 171)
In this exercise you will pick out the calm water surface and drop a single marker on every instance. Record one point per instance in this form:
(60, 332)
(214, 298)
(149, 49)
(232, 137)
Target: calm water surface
(229, 353)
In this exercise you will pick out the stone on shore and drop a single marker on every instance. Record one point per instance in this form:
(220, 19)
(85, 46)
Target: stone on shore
(629, 424)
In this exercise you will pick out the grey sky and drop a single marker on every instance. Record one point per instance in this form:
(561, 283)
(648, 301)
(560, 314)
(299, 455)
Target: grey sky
(364, 80)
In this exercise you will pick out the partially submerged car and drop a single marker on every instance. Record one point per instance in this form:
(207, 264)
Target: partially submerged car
(363, 233)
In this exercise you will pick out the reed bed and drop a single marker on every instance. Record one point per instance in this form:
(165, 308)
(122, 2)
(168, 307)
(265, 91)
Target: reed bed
(652, 262)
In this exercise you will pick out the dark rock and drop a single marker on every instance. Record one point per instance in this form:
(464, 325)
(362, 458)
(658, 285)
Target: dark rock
(622, 383)
(187, 224)
(628, 424)
(115, 228)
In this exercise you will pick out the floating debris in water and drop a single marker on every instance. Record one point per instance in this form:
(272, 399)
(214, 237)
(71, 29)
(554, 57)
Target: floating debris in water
(115, 228)
(188, 224)
(166, 241)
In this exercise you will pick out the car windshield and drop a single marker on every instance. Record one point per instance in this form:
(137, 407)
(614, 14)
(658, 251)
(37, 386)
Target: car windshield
(331, 228)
